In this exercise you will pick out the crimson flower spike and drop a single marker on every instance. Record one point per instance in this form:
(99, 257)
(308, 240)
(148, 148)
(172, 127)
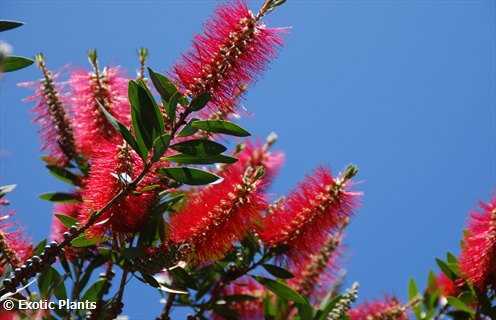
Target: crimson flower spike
(89, 89)
(319, 205)
(447, 287)
(254, 154)
(56, 128)
(234, 48)
(220, 214)
(312, 276)
(113, 166)
(389, 308)
(478, 257)
(15, 249)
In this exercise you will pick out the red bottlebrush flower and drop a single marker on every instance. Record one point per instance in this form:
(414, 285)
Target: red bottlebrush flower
(446, 286)
(110, 89)
(246, 310)
(112, 166)
(313, 275)
(389, 308)
(220, 214)
(234, 48)
(14, 246)
(478, 257)
(9, 315)
(256, 154)
(54, 120)
(302, 222)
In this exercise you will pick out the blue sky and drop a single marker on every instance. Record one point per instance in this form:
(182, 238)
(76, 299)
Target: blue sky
(403, 89)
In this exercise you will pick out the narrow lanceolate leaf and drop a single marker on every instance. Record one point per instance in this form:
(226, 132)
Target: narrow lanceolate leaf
(124, 131)
(7, 25)
(199, 147)
(148, 123)
(60, 197)
(278, 272)
(160, 145)
(94, 290)
(188, 129)
(201, 159)
(413, 293)
(66, 220)
(184, 278)
(447, 269)
(164, 86)
(40, 247)
(50, 281)
(199, 102)
(460, 305)
(220, 126)
(281, 290)
(83, 241)
(13, 63)
(64, 175)
(189, 176)
(171, 106)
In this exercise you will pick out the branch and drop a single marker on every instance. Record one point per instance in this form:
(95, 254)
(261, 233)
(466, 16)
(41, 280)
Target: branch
(39, 263)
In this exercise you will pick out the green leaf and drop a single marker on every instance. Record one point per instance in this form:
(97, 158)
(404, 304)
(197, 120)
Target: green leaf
(50, 281)
(451, 258)
(160, 145)
(200, 102)
(188, 129)
(200, 159)
(66, 220)
(40, 247)
(459, 305)
(413, 293)
(432, 280)
(305, 311)
(270, 310)
(281, 290)
(171, 106)
(148, 123)
(447, 269)
(7, 25)
(93, 292)
(13, 63)
(92, 266)
(199, 147)
(164, 86)
(83, 241)
(220, 126)
(64, 175)
(189, 176)
(60, 197)
(124, 131)
(412, 290)
(278, 272)
(183, 277)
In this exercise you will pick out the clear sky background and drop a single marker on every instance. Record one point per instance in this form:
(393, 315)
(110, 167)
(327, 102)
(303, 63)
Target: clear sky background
(405, 89)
